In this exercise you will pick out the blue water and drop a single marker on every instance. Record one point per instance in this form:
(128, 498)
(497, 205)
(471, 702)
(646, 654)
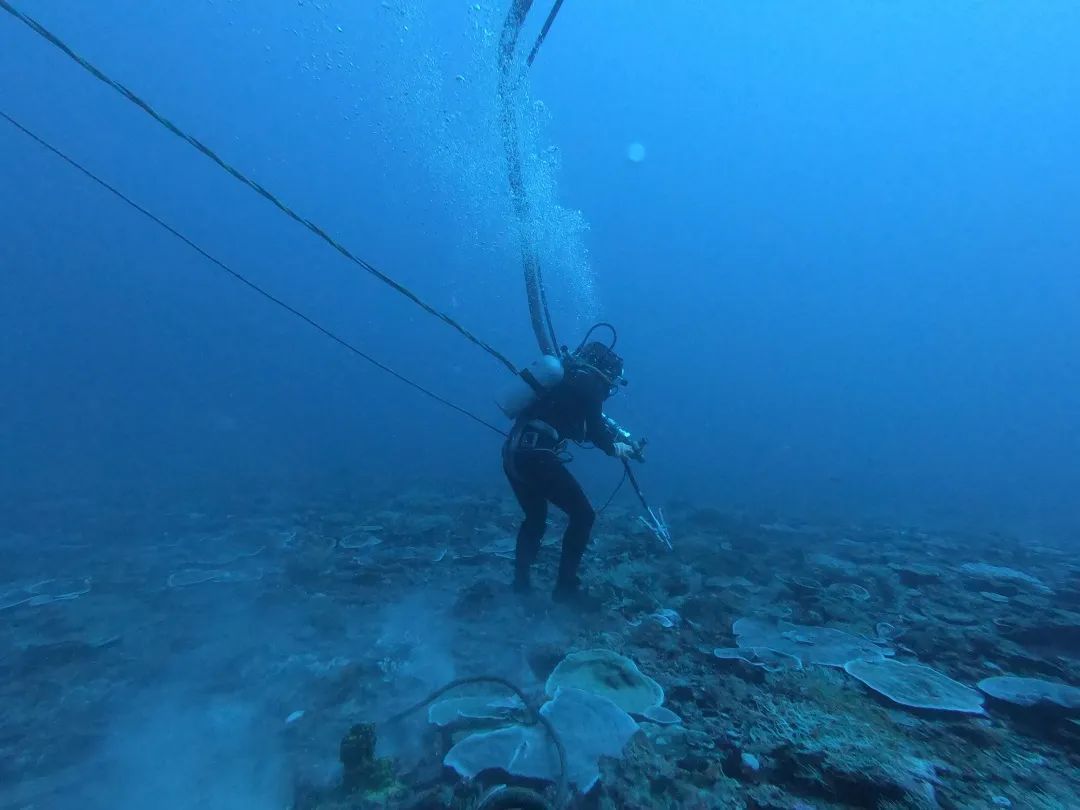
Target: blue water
(844, 274)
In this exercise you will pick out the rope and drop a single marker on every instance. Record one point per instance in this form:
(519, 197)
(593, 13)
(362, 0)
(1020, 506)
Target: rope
(54, 40)
(614, 492)
(537, 717)
(243, 279)
(544, 32)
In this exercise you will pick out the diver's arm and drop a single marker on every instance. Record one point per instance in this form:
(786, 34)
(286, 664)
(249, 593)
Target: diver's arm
(624, 444)
(611, 437)
(599, 429)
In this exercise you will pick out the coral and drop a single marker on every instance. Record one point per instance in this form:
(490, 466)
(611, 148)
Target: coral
(769, 660)
(362, 771)
(468, 710)
(1001, 579)
(661, 716)
(589, 727)
(832, 755)
(915, 686)
(1031, 692)
(605, 673)
(811, 645)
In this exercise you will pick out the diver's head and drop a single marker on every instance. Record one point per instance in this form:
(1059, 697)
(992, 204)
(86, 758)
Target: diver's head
(600, 360)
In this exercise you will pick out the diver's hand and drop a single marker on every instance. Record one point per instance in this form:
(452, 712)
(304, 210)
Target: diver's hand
(623, 450)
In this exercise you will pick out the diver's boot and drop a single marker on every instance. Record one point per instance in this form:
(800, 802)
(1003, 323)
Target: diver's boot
(522, 581)
(570, 593)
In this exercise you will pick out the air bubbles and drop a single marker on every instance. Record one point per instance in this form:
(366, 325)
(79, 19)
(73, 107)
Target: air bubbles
(635, 152)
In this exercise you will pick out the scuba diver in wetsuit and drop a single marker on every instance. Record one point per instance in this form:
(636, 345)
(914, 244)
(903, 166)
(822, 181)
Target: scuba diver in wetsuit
(566, 406)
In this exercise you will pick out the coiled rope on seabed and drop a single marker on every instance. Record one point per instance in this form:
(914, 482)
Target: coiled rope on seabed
(523, 797)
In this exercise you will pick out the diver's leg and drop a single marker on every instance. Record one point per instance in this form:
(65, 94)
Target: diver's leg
(531, 532)
(563, 490)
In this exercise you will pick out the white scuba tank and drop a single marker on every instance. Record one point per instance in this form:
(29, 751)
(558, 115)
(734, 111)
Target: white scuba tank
(544, 373)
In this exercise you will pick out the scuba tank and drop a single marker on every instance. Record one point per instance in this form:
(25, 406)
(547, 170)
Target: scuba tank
(531, 383)
(546, 372)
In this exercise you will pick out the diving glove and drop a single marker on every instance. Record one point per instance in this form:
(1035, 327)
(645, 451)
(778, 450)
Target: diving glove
(634, 451)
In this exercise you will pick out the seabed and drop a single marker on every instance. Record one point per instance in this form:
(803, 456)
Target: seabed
(232, 657)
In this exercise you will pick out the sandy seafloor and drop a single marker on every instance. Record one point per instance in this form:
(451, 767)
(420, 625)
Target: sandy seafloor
(215, 656)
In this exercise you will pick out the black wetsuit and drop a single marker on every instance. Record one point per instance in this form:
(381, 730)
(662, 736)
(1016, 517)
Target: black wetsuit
(572, 411)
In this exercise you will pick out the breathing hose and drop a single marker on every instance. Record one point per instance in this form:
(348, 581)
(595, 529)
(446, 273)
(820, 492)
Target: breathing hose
(509, 81)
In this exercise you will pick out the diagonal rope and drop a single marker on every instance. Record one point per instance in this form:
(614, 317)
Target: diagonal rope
(54, 40)
(544, 32)
(243, 279)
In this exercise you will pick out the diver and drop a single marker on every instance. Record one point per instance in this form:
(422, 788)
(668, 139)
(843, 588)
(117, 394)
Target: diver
(561, 402)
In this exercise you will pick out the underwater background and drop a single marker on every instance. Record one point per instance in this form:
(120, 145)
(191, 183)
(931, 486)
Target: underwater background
(844, 273)
(839, 242)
